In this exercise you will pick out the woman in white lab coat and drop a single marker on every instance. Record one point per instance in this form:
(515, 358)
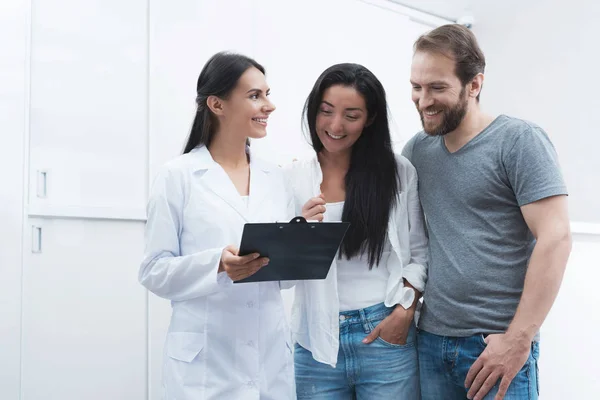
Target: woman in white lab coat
(354, 331)
(225, 340)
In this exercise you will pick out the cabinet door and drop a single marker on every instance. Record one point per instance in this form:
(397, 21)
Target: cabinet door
(84, 312)
(89, 122)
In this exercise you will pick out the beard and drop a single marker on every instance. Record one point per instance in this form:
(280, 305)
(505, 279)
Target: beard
(451, 117)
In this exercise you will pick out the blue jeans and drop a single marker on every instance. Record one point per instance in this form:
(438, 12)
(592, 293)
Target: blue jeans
(444, 362)
(378, 370)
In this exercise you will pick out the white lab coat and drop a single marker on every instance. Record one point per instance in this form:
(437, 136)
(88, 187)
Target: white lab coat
(225, 340)
(315, 312)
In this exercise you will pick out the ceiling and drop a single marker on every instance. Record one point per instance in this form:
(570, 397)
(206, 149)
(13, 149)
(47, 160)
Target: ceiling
(449, 9)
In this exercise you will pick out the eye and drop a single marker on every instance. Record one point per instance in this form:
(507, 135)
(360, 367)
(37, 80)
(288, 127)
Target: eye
(324, 111)
(352, 117)
(254, 96)
(437, 88)
(416, 87)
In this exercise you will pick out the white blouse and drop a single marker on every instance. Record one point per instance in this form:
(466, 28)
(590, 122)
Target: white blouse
(315, 312)
(358, 286)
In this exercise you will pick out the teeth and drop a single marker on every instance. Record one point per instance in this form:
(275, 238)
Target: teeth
(432, 112)
(263, 120)
(335, 136)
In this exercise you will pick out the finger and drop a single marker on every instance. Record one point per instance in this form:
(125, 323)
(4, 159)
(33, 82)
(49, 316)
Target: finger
(478, 382)
(315, 201)
(487, 385)
(318, 217)
(245, 274)
(318, 209)
(242, 260)
(372, 336)
(249, 266)
(321, 195)
(504, 385)
(232, 249)
(473, 371)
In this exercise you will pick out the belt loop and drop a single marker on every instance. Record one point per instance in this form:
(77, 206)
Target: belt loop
(364, 320)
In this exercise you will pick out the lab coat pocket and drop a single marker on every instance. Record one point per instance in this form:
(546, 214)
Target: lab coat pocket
(185, 346)
(184, 372)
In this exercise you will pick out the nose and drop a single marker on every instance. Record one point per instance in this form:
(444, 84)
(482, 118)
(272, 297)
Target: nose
(268, 107)
(424, 100)
(336, 126)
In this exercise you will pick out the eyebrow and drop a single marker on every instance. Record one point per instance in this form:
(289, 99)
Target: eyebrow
(258, 90)
(430, 83)
(347, 109)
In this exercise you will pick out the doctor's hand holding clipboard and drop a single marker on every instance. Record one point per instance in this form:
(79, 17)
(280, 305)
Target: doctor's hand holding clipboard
(240, 267)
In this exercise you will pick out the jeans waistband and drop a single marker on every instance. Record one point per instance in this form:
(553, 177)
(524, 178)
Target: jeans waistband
(362, 315)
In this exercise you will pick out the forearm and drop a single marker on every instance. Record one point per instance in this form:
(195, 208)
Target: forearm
(542, 282)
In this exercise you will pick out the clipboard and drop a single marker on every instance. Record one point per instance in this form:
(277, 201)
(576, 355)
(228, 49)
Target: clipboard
(298, 250)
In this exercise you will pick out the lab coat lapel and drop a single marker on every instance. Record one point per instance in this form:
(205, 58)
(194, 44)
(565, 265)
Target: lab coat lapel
(216, 179)
(260, 188)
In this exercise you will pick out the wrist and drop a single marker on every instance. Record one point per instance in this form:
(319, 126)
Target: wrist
(399, 309)
(522, 334)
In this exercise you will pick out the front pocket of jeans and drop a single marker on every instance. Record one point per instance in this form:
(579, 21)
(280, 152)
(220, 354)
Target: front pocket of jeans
(411, 343)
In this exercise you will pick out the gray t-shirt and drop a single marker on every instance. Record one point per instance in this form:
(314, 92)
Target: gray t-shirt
(479, 243)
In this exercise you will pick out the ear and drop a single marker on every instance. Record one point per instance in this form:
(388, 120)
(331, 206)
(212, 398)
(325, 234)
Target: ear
(215, 105)
(476, 85)
(371, 120)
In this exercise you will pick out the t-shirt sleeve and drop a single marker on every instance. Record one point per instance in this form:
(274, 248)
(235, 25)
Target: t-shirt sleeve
(532, 167)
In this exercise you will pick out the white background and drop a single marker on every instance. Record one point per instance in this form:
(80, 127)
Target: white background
(99, 94)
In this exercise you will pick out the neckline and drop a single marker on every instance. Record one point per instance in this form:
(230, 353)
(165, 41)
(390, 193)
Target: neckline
(474, 139)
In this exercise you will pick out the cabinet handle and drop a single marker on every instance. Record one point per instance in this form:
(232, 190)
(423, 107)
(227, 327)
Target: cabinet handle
(42, 184)
(36, 239)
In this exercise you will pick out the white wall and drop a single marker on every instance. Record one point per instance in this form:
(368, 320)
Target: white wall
(542, 63)
(568, 351)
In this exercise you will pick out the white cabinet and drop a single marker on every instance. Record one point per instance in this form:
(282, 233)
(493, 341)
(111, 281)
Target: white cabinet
(88, 108)
(84, 322)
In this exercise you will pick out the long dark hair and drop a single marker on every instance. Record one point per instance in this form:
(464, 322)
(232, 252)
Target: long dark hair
(219, 77)
(372, 179)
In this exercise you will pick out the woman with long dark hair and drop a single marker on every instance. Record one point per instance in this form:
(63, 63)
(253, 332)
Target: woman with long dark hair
(360, 319)
(225, 340)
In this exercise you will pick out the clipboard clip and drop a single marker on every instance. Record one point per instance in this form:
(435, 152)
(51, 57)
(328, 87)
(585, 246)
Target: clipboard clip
(298, 220)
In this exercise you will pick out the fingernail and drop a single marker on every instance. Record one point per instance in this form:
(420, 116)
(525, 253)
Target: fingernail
(365, 341)
(265, 262)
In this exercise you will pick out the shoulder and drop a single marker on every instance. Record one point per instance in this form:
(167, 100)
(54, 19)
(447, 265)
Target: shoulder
(417, 139)
(406, 170)
(177, 167)
(297, 168)
(521, 131)
(265, 165)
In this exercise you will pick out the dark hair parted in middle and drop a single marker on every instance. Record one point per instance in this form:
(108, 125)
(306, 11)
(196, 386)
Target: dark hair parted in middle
(372, 178)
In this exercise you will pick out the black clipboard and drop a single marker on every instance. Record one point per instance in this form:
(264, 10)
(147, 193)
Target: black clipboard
(297, 250)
